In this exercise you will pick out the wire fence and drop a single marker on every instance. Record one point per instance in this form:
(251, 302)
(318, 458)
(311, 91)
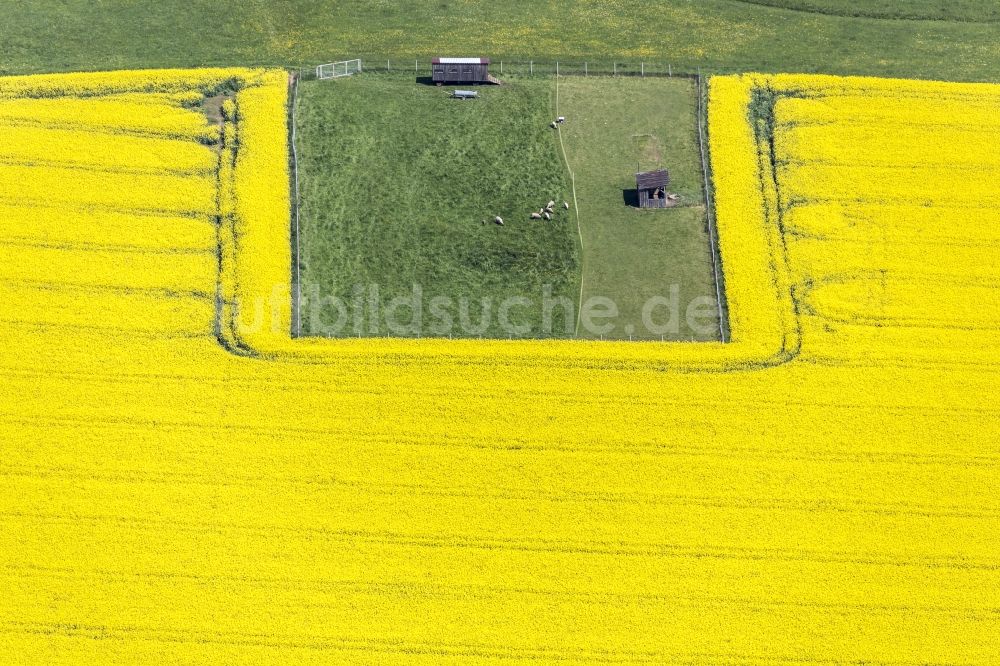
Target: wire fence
(710, 221)
(296, 213)
(523, 67)
(549, 68)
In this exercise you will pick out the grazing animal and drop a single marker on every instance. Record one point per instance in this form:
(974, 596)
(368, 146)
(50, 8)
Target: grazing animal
(548, 216)
(550, 204)
(536, 216)
(561, 119)
(566, 205)
(498, 220)
(553, 125)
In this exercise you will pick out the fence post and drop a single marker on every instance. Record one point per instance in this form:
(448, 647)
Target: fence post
(642, 69)
(531, 66)
(585, 69)
(614, 69)
(670, 70)
(416, 67)
(557, 68)
(501, 68)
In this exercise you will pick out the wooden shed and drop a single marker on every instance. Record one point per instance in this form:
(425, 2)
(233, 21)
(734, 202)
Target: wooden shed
(461, 70)
(651, 187)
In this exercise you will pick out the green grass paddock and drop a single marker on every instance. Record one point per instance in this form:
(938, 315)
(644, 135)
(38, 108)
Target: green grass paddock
(630, 255)
(396, 181)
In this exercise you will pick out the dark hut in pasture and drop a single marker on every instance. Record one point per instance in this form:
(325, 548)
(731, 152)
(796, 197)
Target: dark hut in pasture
(461, 70)
(651, 187)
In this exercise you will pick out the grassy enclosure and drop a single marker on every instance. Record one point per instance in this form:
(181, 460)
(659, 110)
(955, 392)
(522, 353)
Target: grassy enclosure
(631, 255)
(397, 180)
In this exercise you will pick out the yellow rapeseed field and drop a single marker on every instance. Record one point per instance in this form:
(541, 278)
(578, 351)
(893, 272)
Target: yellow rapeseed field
(183, 483)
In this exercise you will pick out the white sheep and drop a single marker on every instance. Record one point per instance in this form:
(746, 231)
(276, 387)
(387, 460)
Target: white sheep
(550, 204)
(498, 220)
(548, 216)
(553, 125)
(566, 205)
(536, 216)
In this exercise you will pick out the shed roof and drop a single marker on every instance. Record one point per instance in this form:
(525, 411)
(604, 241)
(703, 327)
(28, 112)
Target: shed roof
(461, 61)
(648, 180)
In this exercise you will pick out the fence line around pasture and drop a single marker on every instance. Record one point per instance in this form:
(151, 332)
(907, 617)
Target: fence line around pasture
(557, 69)
(710, 202)
(522, 67)
(296, 207)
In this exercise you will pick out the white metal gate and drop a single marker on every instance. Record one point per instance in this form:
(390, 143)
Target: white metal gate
(336, 70)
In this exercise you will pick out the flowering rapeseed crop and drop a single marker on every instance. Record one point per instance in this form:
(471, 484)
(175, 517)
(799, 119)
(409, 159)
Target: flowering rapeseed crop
(115, 152)
(184, 483)
(143, 114)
